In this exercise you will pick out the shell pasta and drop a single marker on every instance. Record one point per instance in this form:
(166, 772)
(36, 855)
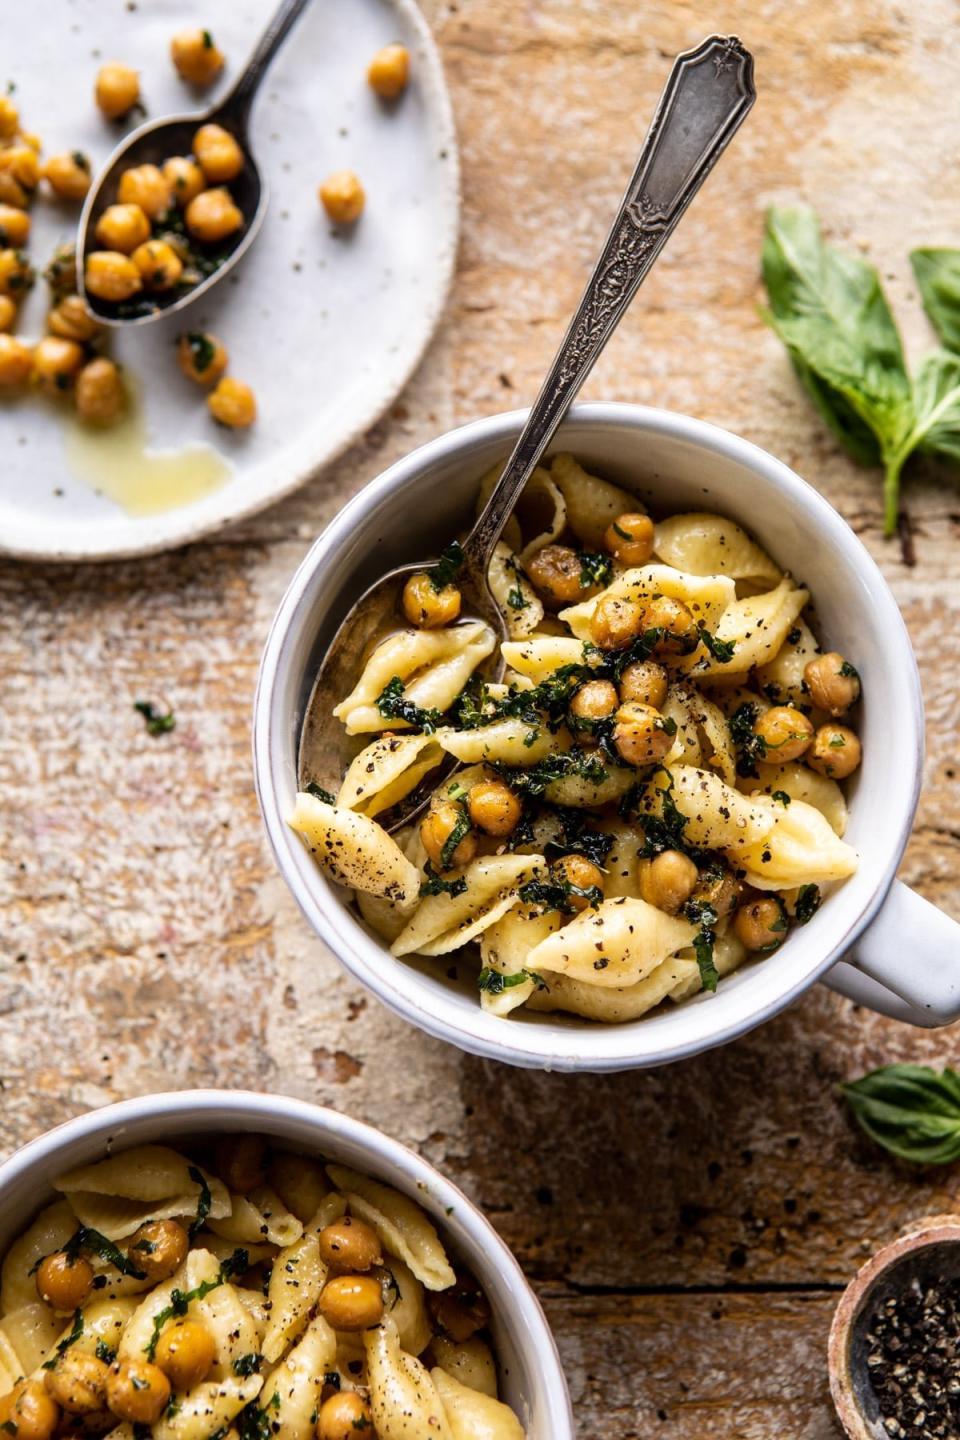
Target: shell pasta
(649, 791)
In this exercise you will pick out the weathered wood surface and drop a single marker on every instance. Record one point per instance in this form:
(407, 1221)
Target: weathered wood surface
(688, 1229)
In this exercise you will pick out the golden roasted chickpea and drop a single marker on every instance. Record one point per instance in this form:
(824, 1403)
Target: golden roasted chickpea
(68, 175)
(55, 364)
(64, 1281)
(232, 404)
(641, 735)
(460, 1311)
(185, 178)
(201, 357)
(20, 162)
(159, 1248)
(71, 320)
(16, 362)
(615, 622)
(117, 89)
(835, 751)
(645, 681)
(123, 228)
(14, 226)
(786, 733)
(389, 71)
(28, 1412)
(99, 394)
(630, 538)
(555, 574)
(832, 682)
(344, 1416)
(719, 888)
(186, 1351)
(16, 274)
(212, 216)
(111, 276)
(9, 118)
(12, 192)
(146, 186)
(158, 263)
(137, 1391)
(680, 634)
(761, 925)
(426, 605)
(240, 1161)
(595, 700)
(196, 57)
(8, 312)
(351, 1302)
(61, 272)
(342, 196)
(436, 829)
(350, 1244)
(218, 154)
(578, 871)
(78, 1383)
(493, 807)
(668, 880)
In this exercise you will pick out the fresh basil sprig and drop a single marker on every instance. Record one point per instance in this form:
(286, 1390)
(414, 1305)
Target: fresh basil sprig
(937, 273)
(910, 1110)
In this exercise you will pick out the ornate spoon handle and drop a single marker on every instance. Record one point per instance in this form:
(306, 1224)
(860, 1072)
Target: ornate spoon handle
(706, 98)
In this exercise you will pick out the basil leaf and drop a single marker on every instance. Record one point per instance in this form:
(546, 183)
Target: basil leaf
(937, 273)
(937, 392)
(703, 949)
(448, 566)
(494, 982)
(910, 1110)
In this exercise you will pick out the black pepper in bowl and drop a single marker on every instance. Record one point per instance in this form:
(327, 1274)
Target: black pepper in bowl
(913, 1360)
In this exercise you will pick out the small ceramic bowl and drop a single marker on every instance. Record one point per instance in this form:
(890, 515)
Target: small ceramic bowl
(532, 1378)
(931, 1252)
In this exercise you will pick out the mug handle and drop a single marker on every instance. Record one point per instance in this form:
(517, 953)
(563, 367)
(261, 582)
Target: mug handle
(906, 963)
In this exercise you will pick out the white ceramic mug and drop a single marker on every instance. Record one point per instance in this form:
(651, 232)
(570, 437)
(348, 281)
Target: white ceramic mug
(530, 1371)
(873, 939)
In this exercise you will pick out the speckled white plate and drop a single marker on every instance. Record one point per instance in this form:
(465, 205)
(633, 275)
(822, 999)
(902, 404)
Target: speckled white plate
(326, 327)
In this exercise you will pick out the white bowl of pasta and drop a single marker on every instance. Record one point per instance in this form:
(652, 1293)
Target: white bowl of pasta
(631, 861)
(189, 1265)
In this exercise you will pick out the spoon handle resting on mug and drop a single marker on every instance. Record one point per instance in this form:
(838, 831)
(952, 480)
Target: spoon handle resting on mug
(706, 98)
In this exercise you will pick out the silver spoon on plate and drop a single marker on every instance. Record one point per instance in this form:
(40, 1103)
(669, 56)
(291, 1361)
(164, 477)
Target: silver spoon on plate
(707, 96)
(158, 140)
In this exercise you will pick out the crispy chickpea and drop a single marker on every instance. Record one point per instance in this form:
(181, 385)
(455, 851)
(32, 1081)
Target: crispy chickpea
(615, 622)
(158, 263)
(61, 272)
(28, 1412)
(493, 807)
(16, 361)
(201, 357)
(196, 57)
(78, 1383)
(641, 735)
(159, 1248)
(145, 185)
(786, 733)
(350, 1244)
(185, 1353)
(835, 751)
(14, 226)
(668, 880)
(20, 162)
(185, 178)
(428, 607)
(344, 1416)
(555, 573)
(241, 1161)
(595, 700)
(680, 633)
(218, 154)
(212, 216)
(719, 888)
(342, 196)
(8, 312)
(462, 1310)
(111, 276)
(389, 71)
(9, 118)
(645, 681)
(71, 320)
(64, 1281)
(117, 89)
(832, 682)
(123, 228)
(12, 192)
(99, 394)
(16, 274)
(761, 925)
(351, 1302)
(55, 364)
(630, 539)
(68, 175)
(579, 871)
(436, 829)
(137, 1391)
(232, 404)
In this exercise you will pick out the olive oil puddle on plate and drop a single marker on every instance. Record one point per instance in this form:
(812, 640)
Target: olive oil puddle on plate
(117, 463)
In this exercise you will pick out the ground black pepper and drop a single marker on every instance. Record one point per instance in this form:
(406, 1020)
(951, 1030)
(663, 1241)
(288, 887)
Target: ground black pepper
(913, 1359)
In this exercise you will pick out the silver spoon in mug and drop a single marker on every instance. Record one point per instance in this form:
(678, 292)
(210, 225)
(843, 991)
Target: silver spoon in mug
(155, 142)
(706, 98)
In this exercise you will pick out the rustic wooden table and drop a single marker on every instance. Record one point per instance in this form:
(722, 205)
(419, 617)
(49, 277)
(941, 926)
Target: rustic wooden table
(688, 1229)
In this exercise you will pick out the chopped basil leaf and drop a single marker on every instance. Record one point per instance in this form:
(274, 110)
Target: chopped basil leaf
(436, 885)
(393, 705)
(67, 1341)
(594, 569)
(204, 1201)
(156, 723)
(447, 567)
(460, 830)
(782, 796)
(313, 788)
(807, 903)
(494, 983)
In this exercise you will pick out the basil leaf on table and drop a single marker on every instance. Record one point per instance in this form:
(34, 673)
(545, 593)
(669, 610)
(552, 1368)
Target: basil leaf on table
(937, 273)
(910, 1110)
(937, 392)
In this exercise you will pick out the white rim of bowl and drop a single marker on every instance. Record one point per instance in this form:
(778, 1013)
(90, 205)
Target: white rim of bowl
(599, 1047)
